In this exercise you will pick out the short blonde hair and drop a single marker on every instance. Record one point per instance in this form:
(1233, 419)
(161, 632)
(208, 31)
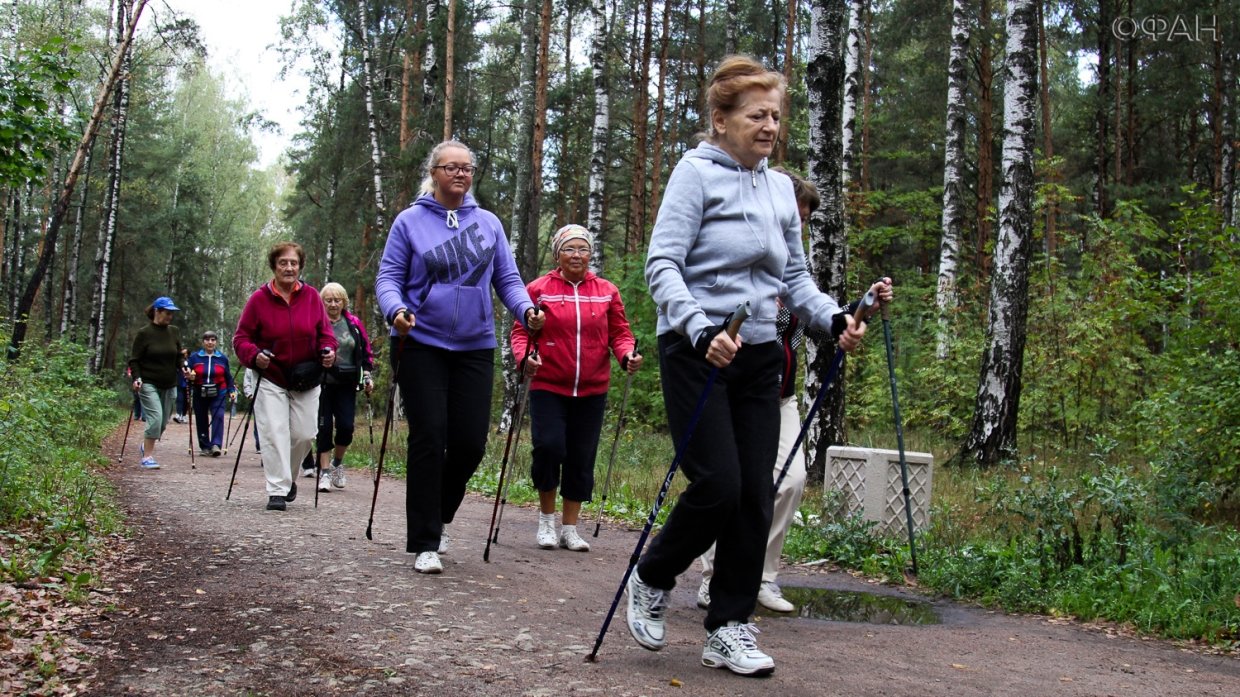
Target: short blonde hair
(334, 290)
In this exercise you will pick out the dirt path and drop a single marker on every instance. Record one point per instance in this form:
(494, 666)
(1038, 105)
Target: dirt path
(225, 598)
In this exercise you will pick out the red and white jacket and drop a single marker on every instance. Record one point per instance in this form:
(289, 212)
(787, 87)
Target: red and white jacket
(584, 321)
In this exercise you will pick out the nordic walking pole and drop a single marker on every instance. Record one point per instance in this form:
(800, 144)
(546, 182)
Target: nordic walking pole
(733, 323)
(245, 428)
(522, 392)
(125, 441)
(387, 425)
(189, 410)
(864, 308)
(503, 501)
(895, 408)
(231, 413)
(370, 424)
(624, 401)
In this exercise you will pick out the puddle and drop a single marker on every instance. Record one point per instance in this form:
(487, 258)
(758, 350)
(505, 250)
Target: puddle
(851, 606)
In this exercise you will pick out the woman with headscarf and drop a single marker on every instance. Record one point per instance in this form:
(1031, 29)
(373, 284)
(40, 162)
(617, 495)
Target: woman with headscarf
(570, 375)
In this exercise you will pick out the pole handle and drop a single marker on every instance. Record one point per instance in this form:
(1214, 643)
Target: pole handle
(737, 318)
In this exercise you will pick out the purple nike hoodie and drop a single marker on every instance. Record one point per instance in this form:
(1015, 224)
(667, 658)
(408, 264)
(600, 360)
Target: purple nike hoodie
(438, 263)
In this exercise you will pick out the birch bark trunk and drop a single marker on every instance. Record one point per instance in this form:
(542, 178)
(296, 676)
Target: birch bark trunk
(993, 434)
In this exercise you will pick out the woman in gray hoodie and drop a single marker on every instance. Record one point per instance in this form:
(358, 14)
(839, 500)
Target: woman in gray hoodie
(728, 231)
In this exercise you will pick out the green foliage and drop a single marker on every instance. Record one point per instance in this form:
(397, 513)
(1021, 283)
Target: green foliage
(53, 416)
(31, 130)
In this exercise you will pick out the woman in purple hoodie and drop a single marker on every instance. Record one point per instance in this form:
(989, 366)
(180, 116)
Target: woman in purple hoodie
(441, 255)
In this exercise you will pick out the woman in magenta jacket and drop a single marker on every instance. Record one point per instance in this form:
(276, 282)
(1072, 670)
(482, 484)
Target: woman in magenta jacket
(571, 371)
(285, 335)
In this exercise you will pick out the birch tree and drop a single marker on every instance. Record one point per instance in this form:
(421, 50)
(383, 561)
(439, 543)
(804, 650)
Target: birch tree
(953, 176)
(599, 132)
(824, 79)
(852, 87)
(120, 62)
(372, 120)
(993, 433)
(107, 227)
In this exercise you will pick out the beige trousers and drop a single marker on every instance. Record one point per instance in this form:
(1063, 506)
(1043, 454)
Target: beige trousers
(288, 422)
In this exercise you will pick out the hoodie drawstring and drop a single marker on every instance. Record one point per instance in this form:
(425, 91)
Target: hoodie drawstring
(452, 221)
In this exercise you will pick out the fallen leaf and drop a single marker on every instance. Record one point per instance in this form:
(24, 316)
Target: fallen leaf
(675, 683)
(200, 591)
(960, 666)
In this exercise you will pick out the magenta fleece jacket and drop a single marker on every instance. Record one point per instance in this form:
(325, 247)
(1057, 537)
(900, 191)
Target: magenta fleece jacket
(294, 332)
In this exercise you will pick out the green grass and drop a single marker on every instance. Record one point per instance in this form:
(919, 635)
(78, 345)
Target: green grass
(1002, 537)
(54, 506)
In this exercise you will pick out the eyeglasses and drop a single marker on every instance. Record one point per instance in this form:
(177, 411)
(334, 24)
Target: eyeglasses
(453, 170)
(575, 251)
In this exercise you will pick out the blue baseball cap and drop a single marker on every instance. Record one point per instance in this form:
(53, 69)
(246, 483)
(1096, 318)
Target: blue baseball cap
(164, 302)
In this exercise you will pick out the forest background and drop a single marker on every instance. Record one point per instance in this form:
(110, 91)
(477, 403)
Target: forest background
(1051, 183)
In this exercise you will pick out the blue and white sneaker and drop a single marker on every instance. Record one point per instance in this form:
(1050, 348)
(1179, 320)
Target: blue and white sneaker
(149, 463)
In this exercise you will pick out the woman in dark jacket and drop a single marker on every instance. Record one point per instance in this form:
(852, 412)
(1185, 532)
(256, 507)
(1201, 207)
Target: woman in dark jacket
(154, 361)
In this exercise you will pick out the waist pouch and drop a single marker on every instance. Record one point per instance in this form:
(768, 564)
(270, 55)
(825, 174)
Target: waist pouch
(304, 376)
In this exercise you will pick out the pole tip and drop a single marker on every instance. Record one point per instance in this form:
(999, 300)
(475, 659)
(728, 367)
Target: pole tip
(592, 658)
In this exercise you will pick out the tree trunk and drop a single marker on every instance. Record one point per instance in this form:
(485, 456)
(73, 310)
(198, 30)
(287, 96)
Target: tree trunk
(641, 108)
(852, 87)
(867, 96)
(985, 137)
(1102, 104)
(1048, 142)
(945, 297)
(730, 26)
(430, 73)
(521, 238)
(790, 36)
(656, 160)
(828, 247)
(539, 138)
(68, 309)
(449, 78)
(107, 224)
(61, 208)
(598, 133)
(993, 434)
(372, 120)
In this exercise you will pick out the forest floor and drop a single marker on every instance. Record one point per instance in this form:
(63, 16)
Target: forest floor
(215, 597)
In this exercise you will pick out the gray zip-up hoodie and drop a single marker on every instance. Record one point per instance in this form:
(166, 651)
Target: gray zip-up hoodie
(726, 234)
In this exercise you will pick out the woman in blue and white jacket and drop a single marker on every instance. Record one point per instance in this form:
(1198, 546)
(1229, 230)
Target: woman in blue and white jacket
(213, 387)
(443, 256)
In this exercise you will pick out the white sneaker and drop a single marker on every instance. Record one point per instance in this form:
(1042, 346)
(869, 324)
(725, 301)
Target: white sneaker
(703, 597)
(546, 532)
(771, 598)
(445, 542)
(338, 479)
(644, 612)
(732, 646)
(428, 563)
(325, 482)
(570, 540)
(307, 471)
